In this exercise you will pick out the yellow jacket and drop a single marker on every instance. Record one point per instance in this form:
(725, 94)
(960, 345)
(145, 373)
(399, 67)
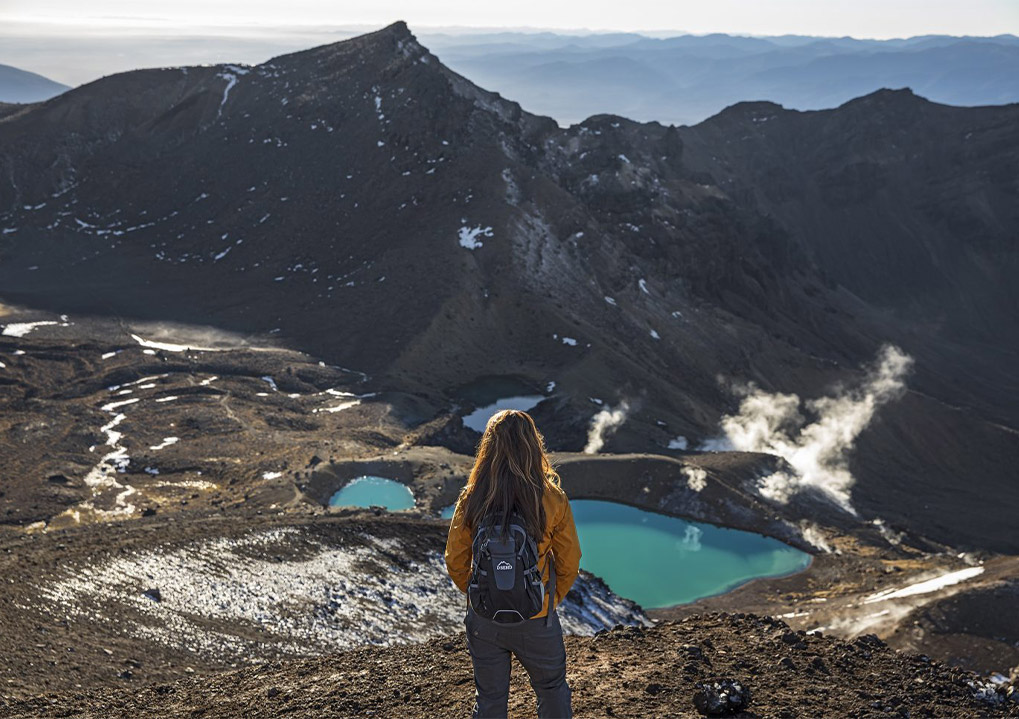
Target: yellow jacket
(560, 537)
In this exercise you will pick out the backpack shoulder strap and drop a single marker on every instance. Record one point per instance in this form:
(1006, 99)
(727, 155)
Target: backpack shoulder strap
(478, 546)
(551, 587)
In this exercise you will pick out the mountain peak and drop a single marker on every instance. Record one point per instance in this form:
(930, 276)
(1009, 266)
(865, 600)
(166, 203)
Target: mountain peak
(394, 38)
(398, 28)
(396, 33)
(888, 97)
(748, 111)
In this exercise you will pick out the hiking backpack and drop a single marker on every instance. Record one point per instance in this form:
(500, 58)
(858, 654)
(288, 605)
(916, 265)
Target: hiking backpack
(505, 583)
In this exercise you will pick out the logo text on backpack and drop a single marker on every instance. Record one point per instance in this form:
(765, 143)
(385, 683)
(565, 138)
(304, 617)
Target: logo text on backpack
(503, 566)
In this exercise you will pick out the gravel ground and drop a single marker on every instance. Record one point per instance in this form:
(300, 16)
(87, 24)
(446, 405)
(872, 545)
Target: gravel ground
(629, 672)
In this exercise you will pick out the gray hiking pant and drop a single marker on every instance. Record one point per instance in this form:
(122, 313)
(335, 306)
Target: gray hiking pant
(537, 647)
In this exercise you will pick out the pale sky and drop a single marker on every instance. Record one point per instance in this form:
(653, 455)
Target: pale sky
(858, 18)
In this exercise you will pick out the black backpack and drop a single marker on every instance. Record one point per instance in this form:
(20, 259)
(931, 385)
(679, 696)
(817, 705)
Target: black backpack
(505, 583)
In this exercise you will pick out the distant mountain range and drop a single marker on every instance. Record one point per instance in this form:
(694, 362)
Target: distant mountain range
(681, 79)
(23, 86)
(370, 206)
(685, 79)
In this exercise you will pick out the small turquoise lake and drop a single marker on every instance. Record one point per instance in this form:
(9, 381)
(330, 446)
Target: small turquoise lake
(660, 561)
(369, 490)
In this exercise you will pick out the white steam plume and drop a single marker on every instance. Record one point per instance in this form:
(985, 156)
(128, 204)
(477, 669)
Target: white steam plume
(890, 535)
(812, 534)
(716, 444)
(603, 423)
(817, 452)
(696, 478)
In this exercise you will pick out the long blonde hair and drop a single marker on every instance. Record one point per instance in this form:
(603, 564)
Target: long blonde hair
(511, 471)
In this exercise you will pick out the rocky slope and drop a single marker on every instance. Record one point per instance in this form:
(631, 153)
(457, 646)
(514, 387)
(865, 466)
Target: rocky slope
(622, 673)
(158, 598)
(239, 287)
(99, 426)
(369, 206)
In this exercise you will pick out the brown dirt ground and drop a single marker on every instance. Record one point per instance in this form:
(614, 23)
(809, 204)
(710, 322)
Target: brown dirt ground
(623, 673)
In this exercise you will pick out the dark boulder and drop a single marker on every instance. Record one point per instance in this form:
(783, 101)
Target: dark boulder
(721, 697)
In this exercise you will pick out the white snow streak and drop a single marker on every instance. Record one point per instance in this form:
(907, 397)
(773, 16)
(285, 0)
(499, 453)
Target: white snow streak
(20, 329)
(231, 76)
(925, 587)
(167, 441)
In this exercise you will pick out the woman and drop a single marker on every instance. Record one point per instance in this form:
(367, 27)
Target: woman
(512, 473)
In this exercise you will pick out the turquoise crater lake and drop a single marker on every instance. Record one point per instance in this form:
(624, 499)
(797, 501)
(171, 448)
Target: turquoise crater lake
(661, 561)
(368, 490)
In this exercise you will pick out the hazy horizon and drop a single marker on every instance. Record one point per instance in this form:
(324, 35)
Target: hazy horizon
(75, 53)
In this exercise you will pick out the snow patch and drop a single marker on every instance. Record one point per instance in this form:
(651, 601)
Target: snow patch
(231, 75)
(328, 599)
(353, 401)
(468, 236)
(114, 405)
(170, 347)
(927, 586)
(167, 441)
(20, 329)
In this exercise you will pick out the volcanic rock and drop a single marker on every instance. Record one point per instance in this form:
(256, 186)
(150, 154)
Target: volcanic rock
(721, 697)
